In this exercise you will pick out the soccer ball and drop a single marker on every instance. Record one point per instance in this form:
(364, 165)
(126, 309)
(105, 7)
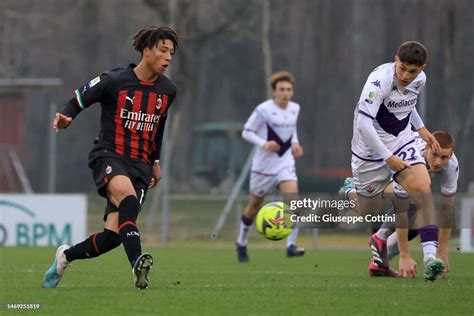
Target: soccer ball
(273, 221)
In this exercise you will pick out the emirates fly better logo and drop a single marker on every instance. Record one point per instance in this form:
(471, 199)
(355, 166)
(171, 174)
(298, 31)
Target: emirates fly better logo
(139, 121)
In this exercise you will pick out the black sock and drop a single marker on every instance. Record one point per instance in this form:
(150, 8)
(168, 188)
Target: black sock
(128, 230)
(93, 246)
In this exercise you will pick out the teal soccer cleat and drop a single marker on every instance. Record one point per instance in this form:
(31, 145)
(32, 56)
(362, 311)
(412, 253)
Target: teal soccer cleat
(56, 271)
(348, 185)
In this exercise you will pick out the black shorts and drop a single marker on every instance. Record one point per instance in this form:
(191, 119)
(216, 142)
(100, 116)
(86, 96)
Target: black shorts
(106, 166)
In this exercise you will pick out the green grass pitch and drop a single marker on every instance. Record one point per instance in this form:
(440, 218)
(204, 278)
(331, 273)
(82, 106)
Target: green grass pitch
(186, 281)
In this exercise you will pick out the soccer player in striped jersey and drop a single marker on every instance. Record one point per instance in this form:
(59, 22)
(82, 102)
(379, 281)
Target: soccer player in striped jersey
(382, 149)
(272, 129)
(125, 157)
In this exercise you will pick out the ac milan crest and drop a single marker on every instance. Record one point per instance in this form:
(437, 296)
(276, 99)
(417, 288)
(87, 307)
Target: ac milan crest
(159, 101)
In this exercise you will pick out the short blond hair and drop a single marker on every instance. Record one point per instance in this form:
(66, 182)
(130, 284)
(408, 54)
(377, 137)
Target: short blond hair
(281, 76)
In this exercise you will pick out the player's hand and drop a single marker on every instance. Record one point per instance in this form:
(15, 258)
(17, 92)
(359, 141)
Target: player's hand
(444, 256)
(155, 175)
(272, 145)
(297, 150)
(407, 267)
(429, 139)
(397, 164)
(61, 121)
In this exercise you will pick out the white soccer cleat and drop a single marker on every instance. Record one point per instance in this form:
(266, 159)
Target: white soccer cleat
(56, 271)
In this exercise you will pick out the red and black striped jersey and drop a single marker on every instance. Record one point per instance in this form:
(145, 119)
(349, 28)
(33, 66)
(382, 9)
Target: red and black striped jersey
(133, 112)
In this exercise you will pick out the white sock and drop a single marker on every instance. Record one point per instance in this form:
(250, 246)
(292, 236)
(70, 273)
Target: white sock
(291, 240)
(429, 250)
(392, 240)
(392, 246)
(384, 233)
(242, 239)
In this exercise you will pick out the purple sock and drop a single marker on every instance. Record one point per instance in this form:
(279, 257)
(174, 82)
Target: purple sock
(246, 221)
(429, 242)
(429, 234)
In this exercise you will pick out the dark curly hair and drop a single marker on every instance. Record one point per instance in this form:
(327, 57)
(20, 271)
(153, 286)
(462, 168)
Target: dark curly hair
(150, 37)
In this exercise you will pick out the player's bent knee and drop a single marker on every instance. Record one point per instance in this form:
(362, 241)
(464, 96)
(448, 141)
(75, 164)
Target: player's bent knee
(118, 189)
(421, 187)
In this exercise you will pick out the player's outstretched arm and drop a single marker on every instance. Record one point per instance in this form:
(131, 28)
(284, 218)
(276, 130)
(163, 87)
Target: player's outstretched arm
(446, 222)
(61, 121)
(406, 264)
(418, 124)
(443, 249)
(84, 97)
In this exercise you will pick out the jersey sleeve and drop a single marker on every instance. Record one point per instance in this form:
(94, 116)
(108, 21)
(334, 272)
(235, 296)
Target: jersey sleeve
(373, 94)
(253, 124)
(416, 120)
(367, 130)
(86, 95)
(155, 155)
(449, 178)
(294, 137)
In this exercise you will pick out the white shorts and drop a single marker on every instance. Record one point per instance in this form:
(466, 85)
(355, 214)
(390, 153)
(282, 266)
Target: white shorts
(262, 184)
(372, 177)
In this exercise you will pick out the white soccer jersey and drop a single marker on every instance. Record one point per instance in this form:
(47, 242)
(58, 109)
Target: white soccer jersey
(270, 122)
(448, 175)
(390, 107)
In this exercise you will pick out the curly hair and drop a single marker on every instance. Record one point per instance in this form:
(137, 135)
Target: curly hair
(150, 37)
(281, 76)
